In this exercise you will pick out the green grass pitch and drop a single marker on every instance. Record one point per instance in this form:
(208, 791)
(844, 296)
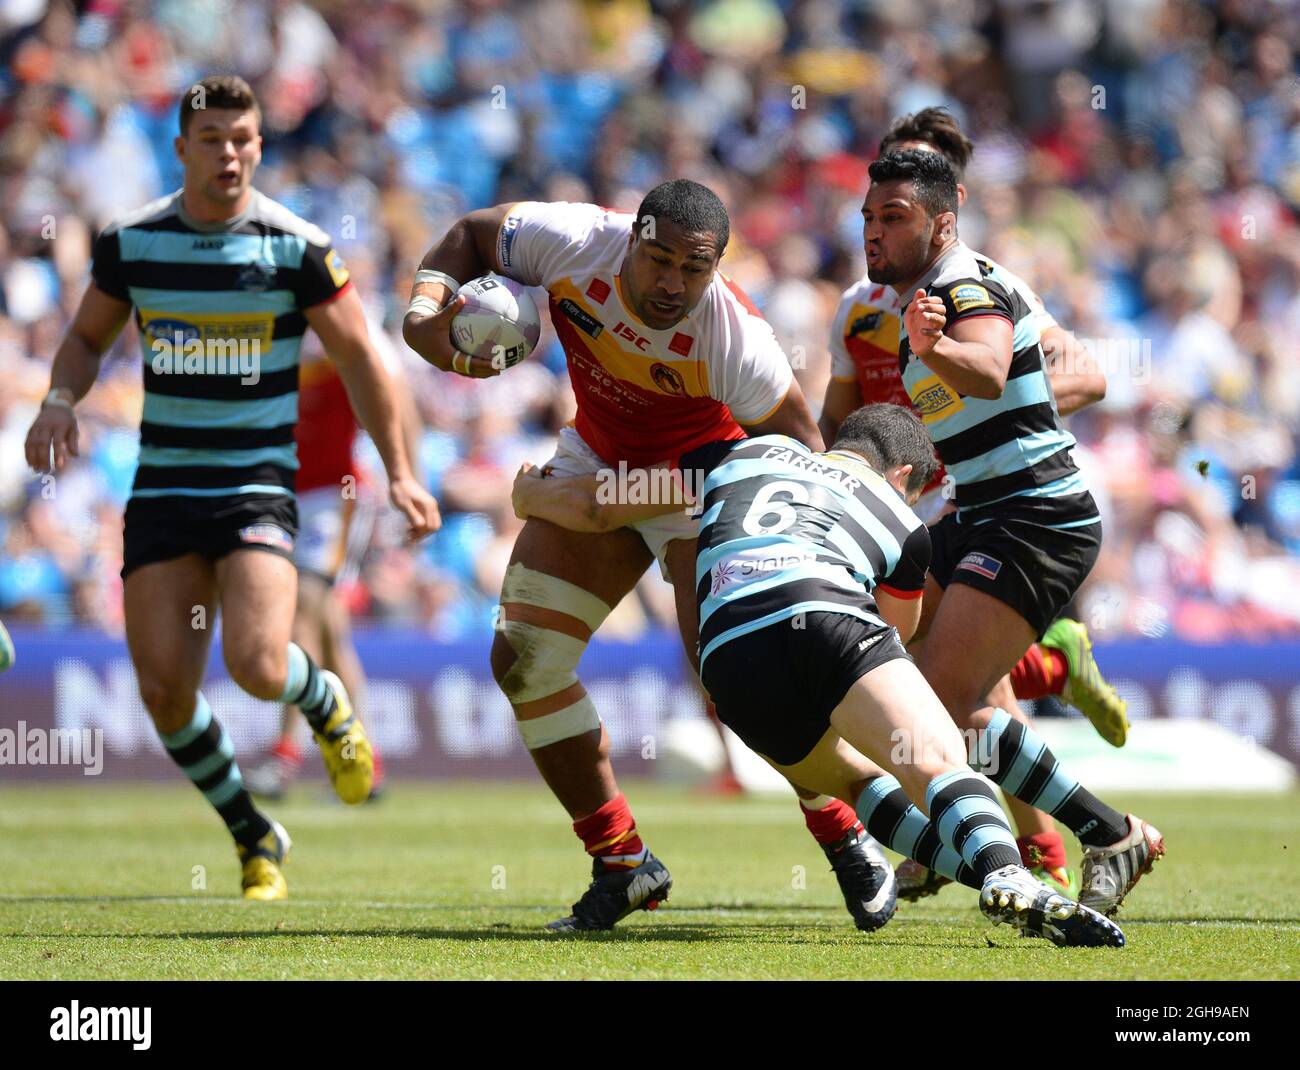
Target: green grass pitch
(455, 880)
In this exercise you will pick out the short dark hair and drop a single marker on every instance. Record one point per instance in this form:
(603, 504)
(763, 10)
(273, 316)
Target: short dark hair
(217, 91)
(889, 435)
(930, 174)
(691, 206)
(934, 126)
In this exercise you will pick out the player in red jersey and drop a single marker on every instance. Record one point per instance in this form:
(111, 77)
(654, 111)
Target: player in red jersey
(865, 369)
(665, 354)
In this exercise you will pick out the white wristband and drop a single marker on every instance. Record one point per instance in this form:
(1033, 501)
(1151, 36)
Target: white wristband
(59, 395)
(428, 275)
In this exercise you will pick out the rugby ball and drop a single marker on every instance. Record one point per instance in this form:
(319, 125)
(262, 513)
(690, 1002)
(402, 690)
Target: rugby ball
(499, 321)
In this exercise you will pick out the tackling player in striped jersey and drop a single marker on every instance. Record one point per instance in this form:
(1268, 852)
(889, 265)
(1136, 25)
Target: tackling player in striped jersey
(1026, 530)
(809, 576)
(224, 282)
(864, 348)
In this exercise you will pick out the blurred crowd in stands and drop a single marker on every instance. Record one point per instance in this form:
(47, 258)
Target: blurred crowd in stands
(1137, 160)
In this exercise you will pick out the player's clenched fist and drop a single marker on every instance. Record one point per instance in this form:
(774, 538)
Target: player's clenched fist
(55, 426)
(418, 506)
(924, 319)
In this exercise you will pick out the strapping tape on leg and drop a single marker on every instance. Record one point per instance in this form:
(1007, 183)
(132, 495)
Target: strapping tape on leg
(547, 622)
(576, 719)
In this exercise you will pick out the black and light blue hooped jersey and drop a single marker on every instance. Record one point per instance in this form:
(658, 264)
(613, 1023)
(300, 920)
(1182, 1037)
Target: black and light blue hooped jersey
(785, 531)
(1011, 449)
(220, 308)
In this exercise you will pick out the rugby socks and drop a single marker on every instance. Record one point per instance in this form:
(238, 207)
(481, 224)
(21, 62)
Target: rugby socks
(205, 754)
(1021, 764)
(610, 835)
(894, 820)
(1041, 672)
(306, 689)
(965, 809)
(1046, 849)
(828, 819)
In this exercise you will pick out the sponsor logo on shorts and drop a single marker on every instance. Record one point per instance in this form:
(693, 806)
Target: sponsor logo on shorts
(585, 321)
(669, 380)
(598, 291)
(506, 238)
(267, 535)
(981, 565)
(869, 642)
(969, 295)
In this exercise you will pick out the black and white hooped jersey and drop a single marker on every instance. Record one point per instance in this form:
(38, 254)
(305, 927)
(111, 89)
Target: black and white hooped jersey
(786, 531)
(1002, 449)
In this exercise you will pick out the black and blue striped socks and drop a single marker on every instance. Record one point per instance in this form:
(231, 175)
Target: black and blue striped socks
(306, 689)
(966, 837)
(205, 754)
(1021, 764)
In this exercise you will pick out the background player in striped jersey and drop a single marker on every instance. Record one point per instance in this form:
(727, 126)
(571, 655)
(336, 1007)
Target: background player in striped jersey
(217, 268)
(1026, 531)
(864, 348)
(809, 668)
(665, 353)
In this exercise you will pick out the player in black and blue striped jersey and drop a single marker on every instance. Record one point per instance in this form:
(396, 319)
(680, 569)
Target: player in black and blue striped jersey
(810, 569)
(224, 282)
(1026, 531)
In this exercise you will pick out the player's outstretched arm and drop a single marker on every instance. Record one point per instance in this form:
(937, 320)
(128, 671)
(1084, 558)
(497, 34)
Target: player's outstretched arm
(793, 418)
(596, 503)
(1077, 381)
(466, 251)
(341, 326)
(98, 321)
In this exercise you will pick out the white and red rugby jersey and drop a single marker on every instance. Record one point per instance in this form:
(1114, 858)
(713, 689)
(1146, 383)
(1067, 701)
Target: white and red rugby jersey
(644, 396)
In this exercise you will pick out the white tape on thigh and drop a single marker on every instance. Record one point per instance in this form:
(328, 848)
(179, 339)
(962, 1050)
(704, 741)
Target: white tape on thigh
(534, 588)
(575, 720)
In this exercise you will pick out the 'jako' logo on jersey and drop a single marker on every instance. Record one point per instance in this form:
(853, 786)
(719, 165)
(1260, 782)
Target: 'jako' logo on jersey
(669, 380)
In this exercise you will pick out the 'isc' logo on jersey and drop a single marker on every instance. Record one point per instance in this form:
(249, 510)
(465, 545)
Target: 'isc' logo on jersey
(622, 330)
(934, 400)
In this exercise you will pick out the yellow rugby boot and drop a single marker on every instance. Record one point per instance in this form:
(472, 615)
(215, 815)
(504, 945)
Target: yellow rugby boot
(345, 747)
(263, 878)
(1085, 688)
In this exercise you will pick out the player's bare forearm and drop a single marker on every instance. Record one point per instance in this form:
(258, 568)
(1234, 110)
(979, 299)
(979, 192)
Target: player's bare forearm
(1077, 381)
(842, 397)
(589, 503)
(98, 321)
(973, 356)
(467, 251)
(53, 436)
(791, 418)
(75, 367)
